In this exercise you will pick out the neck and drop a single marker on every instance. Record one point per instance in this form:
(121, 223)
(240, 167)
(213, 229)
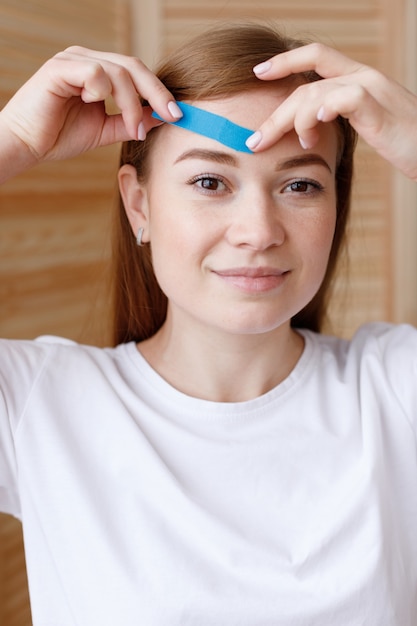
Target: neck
(223, 367)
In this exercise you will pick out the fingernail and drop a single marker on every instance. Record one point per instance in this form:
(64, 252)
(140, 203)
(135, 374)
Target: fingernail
(254, 140)
(304, 144)
(320, 114)
(141, 132)
(262, 68)
(174, 110)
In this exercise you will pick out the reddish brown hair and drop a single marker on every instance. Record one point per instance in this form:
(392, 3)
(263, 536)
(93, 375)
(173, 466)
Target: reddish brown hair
(213, 66)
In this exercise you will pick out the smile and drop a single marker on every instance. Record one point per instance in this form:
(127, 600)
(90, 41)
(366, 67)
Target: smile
(253, 280)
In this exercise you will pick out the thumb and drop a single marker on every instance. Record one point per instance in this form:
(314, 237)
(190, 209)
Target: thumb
(150, 122)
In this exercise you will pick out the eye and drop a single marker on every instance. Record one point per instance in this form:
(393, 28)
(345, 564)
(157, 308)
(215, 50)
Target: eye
(304, 186)
(208, 183)
(212, 184)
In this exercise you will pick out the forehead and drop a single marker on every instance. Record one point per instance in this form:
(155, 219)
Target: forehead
(248, 109)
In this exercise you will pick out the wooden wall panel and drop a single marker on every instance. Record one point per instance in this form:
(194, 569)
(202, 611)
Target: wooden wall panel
(58, 208)
(54, 222)
(14, 597)
(52, 262)
(54, 229)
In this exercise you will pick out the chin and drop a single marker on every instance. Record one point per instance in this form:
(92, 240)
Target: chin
(256, 327)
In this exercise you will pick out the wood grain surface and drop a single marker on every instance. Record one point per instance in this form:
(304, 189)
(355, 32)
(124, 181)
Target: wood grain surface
(54, 221)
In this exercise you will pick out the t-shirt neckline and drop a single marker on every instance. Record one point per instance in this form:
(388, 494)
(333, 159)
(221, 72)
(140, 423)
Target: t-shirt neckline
(151, 382)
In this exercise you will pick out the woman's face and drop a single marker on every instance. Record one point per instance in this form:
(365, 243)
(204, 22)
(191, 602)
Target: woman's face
(240, 242)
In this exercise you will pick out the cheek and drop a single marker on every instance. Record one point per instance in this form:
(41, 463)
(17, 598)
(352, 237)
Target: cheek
(177, 224)
(325, 231)
(318, 240)
(178, 244)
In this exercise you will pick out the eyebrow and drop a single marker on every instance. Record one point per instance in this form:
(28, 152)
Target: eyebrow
(208, 155)
(304, 159)
(226, 158)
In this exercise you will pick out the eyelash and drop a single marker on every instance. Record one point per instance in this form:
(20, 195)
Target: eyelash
(313, 185)
(210, 177)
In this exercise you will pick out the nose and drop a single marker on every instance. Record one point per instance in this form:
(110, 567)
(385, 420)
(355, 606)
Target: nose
(256, 223)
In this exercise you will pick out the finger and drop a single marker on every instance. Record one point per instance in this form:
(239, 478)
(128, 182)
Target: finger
(72, 76)
(299, 111)
(114, 128)
(149, 121)
(352, 102)
(94, 82)
(363, 111)
(146, 84)
(324, 101)
(326, 61)
(125, 96)
(101, 74)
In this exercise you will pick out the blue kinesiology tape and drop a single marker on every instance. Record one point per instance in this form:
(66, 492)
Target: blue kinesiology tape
(212, 126)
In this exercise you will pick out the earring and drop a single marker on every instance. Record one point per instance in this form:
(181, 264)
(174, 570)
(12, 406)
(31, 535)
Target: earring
(139, 237)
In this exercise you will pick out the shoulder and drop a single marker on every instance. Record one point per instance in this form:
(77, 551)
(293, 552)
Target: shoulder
(379, 363)
(393, 346)
(381, 341)
(391, 352)
(33, 353)
(53, 370)
(24, 361)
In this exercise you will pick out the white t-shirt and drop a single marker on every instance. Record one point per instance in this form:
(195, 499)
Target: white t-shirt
(143, 506)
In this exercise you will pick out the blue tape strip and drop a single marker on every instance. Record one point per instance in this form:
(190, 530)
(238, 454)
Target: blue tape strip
(212, 126)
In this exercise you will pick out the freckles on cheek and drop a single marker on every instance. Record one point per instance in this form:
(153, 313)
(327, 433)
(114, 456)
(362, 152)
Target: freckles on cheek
(318, 244)
(317, 230)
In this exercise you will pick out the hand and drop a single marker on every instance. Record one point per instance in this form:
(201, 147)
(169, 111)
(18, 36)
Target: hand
(60, 111)
(383, 112)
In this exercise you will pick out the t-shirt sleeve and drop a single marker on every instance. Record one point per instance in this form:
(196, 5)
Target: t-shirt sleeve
(21, 362)
(393, 348)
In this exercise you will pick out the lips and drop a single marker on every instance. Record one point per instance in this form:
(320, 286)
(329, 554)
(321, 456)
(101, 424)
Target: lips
(253, 279)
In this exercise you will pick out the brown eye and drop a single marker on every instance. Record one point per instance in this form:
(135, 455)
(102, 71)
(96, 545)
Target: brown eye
(300, 186)
(212, 184)
(304, 186)
(206, 183)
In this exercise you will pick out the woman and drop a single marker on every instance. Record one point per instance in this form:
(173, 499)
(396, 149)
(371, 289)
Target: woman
(235, 52)
(224, 463)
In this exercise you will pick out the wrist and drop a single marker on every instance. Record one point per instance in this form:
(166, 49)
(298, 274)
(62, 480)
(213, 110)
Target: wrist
(15, 155)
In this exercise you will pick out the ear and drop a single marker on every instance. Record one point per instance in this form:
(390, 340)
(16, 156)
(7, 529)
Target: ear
(135, 200)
